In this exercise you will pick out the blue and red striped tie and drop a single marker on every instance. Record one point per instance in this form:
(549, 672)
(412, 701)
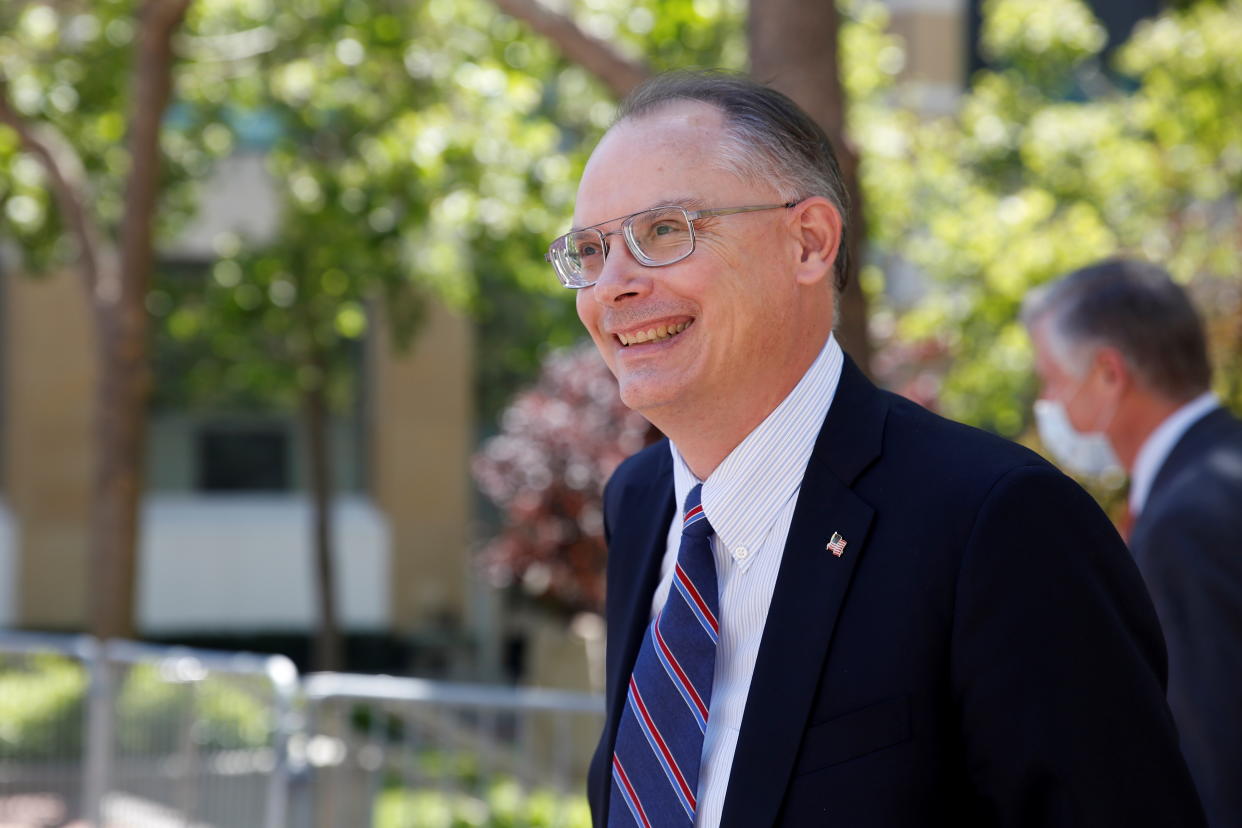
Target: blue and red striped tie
(655, 766)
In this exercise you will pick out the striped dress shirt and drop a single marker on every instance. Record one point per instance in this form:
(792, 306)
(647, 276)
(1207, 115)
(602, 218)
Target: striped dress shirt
(749, 500)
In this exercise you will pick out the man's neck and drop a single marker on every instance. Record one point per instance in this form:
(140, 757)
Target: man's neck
(705, 445)
(707, 430)
(1143, 416)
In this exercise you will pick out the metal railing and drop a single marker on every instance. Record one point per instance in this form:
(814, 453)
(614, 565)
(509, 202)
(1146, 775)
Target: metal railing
(398, 752)
(141, 736)
(153, 737)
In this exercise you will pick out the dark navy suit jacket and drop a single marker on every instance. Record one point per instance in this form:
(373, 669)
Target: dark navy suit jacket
(983, 654)
(1188, 544)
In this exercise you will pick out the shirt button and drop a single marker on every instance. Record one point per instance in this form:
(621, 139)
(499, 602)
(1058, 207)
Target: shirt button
(740, 553)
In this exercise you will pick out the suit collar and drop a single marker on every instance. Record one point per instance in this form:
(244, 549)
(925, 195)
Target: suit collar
(1197, 439)
(1161, 442)
(850, 439)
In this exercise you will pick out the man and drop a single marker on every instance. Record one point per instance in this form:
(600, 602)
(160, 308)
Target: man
(1123, 361)
(865, 615)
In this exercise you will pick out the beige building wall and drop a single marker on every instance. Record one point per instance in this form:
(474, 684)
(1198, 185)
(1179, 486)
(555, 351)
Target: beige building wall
(934, 34)
(422, 435)
(49, 373)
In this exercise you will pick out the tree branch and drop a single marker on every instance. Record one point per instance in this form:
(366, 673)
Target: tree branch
(618, 73)
(152, 85)
(68, 181)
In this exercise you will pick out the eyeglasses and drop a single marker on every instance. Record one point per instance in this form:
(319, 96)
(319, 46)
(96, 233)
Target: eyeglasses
(656, 237)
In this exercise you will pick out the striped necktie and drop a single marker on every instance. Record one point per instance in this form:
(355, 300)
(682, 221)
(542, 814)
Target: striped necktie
(655, 766)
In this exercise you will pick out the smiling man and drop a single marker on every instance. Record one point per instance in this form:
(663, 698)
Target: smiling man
(827, 606)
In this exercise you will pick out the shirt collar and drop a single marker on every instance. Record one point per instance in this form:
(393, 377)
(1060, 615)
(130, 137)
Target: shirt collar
(745, 493)
(1155, 449)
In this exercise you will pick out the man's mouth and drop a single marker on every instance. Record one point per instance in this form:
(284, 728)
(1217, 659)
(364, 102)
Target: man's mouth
(652, 334)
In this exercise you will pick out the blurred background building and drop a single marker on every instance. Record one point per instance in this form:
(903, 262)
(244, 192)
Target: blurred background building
(226, 523)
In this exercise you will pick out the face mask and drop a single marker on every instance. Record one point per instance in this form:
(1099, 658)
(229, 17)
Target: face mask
(1086, 454)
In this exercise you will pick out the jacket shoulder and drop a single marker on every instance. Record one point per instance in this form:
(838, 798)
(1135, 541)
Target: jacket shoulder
(1200, 490)
(637, 472)
(957, 451)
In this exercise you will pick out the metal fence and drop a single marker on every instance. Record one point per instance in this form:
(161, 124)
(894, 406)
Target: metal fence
(125, 734)
(406, 753)
(133, 735)
(44, 682)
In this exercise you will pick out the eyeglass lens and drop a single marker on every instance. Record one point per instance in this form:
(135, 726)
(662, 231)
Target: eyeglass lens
(660, 237)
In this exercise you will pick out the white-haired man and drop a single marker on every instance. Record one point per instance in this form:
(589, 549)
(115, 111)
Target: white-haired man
(1122, 357)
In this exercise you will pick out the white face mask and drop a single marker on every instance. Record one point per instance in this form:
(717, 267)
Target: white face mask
(1087, 454)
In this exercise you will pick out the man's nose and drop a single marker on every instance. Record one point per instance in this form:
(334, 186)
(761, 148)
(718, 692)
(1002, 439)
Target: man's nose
(622, 277)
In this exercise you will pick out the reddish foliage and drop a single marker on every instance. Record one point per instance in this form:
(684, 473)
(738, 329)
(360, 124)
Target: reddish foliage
(912, 368)
(546, 470)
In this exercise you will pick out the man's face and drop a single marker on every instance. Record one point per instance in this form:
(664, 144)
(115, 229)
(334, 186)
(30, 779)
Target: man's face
(734, 294)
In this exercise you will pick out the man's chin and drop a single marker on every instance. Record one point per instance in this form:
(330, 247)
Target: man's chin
(643, 396)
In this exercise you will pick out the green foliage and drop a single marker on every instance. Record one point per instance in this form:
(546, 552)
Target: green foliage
(41, 708)
(406, 142)
(503, 804)
(154, 714)
(68, 66)
(1044, 40)
(424, 149)
(1023, 184)
(871, 57)
(418, 149)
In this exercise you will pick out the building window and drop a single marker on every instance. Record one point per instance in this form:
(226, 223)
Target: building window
(243, 459)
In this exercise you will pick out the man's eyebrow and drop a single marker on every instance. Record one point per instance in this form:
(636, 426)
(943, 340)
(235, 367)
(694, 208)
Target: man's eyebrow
(688, 202)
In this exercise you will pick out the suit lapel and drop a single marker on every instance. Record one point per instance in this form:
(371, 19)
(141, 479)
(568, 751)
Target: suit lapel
(641, 539)
(810, 590)
(636, 549)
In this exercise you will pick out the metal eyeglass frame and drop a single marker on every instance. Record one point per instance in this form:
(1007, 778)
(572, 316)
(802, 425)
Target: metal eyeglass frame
(556, 249)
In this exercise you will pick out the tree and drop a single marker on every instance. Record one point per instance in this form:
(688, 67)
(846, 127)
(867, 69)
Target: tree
(560, 442)
(417, 154)
(1054, 160)
(416, 144)
(59, 116)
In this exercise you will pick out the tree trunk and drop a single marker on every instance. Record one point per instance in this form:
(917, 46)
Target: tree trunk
(122, 394)
(123, 331)
(328, 648)
(793, 47)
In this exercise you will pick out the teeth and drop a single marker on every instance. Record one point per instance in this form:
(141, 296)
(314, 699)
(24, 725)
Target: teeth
(652, 334)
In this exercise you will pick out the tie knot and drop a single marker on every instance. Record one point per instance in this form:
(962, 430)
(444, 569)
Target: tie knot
(694, 520)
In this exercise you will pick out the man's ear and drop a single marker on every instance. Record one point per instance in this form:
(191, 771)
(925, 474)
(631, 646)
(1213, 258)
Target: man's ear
(816, 228)
(1113, 367)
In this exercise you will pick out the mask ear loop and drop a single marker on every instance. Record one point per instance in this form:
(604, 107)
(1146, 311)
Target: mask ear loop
(1082, 383)
(1112, 414)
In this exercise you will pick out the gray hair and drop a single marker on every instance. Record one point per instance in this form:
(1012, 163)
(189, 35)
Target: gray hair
(768, 137)
(1132, 306)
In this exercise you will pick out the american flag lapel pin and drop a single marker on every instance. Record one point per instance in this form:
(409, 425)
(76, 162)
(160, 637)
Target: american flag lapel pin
(837, 545)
